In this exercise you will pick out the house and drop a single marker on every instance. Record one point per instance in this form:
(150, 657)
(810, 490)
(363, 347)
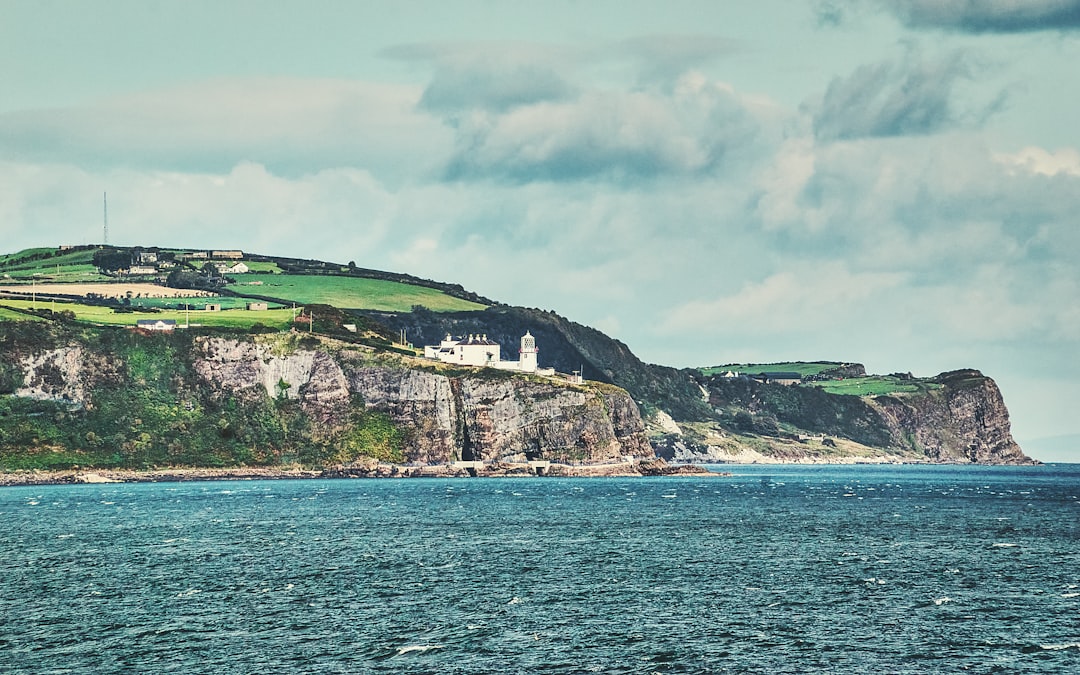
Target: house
(257, 306)
(478, 350)
(475, 350)
(238, 268)
(144, 257)
(227, 255)
(212, 308)
(136, 270)
(156, 324)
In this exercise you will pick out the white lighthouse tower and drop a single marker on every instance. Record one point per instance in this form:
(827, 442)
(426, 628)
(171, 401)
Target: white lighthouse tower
(528, 353)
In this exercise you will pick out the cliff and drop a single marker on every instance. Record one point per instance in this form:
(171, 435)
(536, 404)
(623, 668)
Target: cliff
(964, 421)
(955, 417)
(117, 398)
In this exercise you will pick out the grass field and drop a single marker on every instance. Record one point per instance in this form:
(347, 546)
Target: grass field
(355, 293)
(6, 313)
(874, 386)
(274, 318)
(801, 368)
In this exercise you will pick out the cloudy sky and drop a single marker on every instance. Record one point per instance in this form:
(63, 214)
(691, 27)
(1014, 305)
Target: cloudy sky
(893, 182)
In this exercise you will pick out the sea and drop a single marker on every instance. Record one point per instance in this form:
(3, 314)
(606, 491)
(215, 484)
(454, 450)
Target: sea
(773, 569)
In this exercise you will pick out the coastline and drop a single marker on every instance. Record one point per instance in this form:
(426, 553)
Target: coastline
(492, 470)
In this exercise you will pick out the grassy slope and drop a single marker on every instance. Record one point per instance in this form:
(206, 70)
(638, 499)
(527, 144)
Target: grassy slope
(275, 318)
(875, 385)
(354, 293)
(799, 367)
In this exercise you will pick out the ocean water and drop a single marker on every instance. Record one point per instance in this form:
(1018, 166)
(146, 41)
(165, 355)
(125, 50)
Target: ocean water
(774, 570)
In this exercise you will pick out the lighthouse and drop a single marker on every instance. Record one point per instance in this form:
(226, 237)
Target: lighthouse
(528, 353)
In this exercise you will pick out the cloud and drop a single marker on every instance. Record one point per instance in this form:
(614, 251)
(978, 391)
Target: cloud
(664, 58)
(698, 128)
(897, 98)
(490, 76)
(292, 126)
(989, 16)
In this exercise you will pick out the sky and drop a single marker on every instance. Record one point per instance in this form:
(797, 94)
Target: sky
(889, 182)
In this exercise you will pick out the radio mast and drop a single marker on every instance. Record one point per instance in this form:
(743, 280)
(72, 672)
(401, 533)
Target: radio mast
(105, 207)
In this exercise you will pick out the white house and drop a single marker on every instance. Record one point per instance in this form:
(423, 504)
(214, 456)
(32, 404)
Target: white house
(478, 350)
(238, 268)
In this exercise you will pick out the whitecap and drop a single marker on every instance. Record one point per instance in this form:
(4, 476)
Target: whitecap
(1070, 595)
(942, 601)
(515, 601)
(188, 593)
(669, 496)
(1059, 647)
(64, 536)
(417, 648)
(1004, 545)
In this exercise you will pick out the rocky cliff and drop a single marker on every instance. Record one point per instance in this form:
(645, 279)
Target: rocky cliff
(964, 421)
(119, 398)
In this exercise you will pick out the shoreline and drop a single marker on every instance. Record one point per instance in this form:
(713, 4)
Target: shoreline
(492, 470)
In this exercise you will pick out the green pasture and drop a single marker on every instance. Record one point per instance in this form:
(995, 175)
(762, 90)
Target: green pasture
(7, 314)
(19, 261)
(227, 302)
(355, 293)
(803, 369)
(874, 385)
(83, 274)
(274, 318)
(263, 267)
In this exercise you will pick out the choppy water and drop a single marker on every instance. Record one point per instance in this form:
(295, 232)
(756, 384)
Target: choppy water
(777, 569)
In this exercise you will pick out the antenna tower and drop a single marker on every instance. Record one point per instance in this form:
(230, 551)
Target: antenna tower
(105, 207)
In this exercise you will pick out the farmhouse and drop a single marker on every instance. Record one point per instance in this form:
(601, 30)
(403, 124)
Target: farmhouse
(136, 270)
(156, 324)
(238, 268)
(257, 306)
(478, 350)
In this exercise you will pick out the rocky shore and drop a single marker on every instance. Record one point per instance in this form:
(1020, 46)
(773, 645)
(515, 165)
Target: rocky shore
(373, 470)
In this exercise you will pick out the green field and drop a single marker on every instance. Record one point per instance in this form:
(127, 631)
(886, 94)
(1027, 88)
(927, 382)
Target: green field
(799, 367)
(6, 313)
(355, 293)
(226, 302)
(263, 266)
(75, 266)
(874, 385)
(274, 318)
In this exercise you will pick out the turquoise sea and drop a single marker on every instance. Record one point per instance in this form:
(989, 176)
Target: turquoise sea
(779, 569)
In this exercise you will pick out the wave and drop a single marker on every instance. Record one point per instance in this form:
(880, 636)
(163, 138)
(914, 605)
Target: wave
(419, 649)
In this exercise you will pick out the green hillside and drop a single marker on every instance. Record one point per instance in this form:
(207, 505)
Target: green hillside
(50, 280)
(354, 293)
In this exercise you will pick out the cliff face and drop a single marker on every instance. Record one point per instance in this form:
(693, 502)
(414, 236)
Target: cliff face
(285, 393)
(964, 421)
(955, 417)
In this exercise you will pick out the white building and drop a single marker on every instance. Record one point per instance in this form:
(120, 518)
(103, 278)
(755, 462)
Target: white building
(478, 350)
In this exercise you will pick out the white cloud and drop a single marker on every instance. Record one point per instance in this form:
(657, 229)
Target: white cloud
(1038, 160)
